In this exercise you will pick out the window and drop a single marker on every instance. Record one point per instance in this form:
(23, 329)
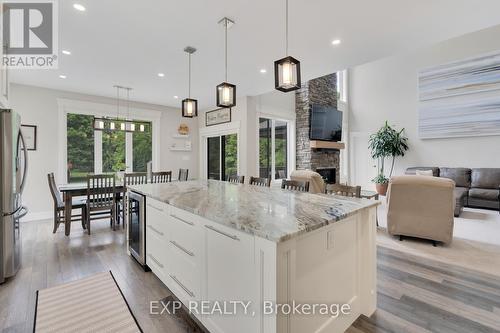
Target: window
(273, 148)
(90, 151)
(222, 156)
(142, 144)
(80, 147)
(113, 151)
(342, 86)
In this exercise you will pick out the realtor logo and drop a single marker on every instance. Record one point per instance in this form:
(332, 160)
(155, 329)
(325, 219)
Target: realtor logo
(29, 34)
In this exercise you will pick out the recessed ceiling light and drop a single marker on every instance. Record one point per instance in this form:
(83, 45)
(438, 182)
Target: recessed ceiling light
(161, 74)
(62, 76)
(263, 70)
(79, 7)
(176, 96)
(336, 41)
(66, 52)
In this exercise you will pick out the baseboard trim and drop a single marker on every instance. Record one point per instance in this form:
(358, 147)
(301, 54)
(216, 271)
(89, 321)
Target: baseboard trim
(38, 216)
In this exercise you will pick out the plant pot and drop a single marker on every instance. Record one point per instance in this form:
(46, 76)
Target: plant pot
(382, 188)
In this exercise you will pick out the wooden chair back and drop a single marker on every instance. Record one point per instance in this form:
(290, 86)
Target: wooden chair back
(54, 191)
(101, 191)
(260, 181)
(295, 185)
(135, 178)
(161, 177)
(236, 179)
(183, 175)
(344, 190)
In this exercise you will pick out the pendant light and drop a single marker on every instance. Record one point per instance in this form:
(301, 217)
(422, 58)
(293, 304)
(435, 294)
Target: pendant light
(287, 70)
(111, 124)
(226, 92)
(189, 105)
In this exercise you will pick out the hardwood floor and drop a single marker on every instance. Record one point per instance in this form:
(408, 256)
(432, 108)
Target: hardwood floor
(415, 294)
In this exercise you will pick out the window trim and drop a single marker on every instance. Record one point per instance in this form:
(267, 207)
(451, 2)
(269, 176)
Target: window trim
(66, 106)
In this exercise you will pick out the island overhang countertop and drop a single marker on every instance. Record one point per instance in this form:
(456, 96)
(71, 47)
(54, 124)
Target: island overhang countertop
(270, 213)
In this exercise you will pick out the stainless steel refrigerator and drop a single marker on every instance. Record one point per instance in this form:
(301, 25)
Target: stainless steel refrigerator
(13, 167)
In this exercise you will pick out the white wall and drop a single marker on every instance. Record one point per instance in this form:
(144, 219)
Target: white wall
(38, 106)
(246, 114)
(387, 90)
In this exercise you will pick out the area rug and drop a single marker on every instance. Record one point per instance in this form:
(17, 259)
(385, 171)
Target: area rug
(93, 304)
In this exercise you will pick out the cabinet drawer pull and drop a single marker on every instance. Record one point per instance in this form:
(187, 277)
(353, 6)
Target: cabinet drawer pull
(154, 207)
(183, 249)
(222, 232)
(155, 260)
(182, 220)
(155, 230)
(189, 292)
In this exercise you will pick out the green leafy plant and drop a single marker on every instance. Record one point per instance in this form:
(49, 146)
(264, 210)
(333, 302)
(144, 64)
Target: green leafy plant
(387, 143)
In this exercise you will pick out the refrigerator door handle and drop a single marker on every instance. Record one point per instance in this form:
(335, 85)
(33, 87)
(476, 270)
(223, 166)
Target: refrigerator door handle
(25, 171)
(22, 212)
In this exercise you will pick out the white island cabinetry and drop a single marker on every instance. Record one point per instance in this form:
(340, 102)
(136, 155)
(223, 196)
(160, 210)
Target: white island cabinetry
(201, 260)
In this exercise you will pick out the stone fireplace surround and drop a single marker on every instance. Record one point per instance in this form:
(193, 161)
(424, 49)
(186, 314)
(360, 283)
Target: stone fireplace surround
(319, 91)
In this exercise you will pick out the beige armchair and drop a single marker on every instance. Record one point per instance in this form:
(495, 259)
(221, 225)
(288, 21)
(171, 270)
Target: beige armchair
(316, 183)
(421, 206)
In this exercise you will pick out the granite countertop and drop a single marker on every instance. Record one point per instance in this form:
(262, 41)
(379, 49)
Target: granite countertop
(271, 213)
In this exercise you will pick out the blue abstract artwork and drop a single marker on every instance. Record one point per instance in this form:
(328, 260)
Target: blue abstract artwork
(460, 99)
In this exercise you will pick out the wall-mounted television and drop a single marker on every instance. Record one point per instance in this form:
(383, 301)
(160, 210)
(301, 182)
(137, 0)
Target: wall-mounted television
(325, 123)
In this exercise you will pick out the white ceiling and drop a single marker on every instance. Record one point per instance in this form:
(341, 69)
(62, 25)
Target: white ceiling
(128, 42)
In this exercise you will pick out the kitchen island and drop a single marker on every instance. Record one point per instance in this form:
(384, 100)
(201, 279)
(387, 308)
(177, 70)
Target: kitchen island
(259, 251)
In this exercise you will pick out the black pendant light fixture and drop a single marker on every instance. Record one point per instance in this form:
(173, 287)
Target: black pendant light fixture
(119, 124)
(226, 92)
(287, 70)
(189, 105)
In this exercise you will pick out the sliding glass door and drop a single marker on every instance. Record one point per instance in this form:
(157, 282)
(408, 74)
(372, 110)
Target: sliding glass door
(273, 148)
(222, 156)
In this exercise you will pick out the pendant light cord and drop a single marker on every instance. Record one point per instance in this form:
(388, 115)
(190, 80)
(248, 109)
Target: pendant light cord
(225, 42)
(128, 103)
(286, 27)
(189, 75)
(117, 102)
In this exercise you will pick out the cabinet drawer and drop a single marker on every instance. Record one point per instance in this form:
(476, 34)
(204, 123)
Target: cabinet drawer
(157, 218)
(183, 216)
(185, 277)
(186, 238)
(157, 255)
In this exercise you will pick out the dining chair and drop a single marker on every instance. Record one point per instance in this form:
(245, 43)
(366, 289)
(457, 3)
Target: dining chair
(260, 181)
(281, 174)
(344, 190)
(101, 199)
(236, 179)
(161, 177)
(132, 178)
(183, 175)
(59, 207)
(295, 185)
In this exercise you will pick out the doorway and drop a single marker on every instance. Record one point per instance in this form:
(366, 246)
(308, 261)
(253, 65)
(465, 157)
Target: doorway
(222, 156)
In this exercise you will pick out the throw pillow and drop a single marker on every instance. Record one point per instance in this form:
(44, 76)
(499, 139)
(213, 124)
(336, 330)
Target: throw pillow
(424, 173)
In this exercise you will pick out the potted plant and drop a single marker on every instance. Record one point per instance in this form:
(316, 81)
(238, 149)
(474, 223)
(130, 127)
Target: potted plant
(386, 143)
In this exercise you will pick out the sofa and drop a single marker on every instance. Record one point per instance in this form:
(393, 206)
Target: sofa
(421, 206)
(477, 187)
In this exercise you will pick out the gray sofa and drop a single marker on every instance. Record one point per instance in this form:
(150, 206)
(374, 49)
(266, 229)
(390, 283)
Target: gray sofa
(478, 188)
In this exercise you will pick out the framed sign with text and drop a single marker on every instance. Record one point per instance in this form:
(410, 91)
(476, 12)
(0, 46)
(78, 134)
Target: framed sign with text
(218, 116)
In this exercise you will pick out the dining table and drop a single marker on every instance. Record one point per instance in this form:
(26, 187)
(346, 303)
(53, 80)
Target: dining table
(69, 191)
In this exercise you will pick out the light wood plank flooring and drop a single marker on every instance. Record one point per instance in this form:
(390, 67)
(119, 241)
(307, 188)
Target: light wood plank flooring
(415, 294)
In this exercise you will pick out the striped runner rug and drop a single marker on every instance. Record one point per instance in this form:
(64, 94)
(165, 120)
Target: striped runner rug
(93, 304)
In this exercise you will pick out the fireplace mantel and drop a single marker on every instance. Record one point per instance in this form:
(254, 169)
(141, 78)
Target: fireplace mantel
(316, 144)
